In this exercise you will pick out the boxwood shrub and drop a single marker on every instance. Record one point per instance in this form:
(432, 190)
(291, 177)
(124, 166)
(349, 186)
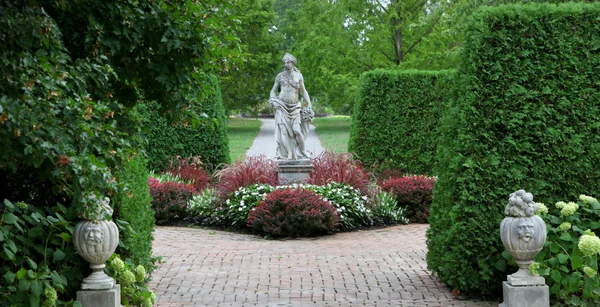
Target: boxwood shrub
(525, 117)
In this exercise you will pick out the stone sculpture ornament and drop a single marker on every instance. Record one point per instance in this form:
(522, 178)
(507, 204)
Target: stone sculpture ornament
(292, 118)
(95, 240)
(523, 234)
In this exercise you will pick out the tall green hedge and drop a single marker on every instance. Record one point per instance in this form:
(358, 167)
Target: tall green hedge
(132, 204)
(526, 117)
(396, 118)
(207, 139)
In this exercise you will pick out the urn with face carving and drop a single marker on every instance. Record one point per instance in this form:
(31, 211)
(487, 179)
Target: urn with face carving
(522, 232)
(95, 241)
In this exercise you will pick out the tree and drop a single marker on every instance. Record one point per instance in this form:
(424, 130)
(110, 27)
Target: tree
(72, 71)
(248, 84)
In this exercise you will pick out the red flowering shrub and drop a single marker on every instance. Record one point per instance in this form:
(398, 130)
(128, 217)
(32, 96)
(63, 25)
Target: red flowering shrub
(413, 193)
(191, 170)
(169, 199)
(254, 170)
(294, 213)
(341, 168)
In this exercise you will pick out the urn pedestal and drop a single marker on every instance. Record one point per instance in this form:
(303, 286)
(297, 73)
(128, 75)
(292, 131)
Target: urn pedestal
(96, 241)
(523, 234)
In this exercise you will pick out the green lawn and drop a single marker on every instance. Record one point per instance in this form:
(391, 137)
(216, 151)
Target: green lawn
(333, 132)
(241, 132)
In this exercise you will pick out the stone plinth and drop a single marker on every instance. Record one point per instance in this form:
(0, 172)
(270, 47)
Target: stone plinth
(294, 171)
(525, 296)
(100, 298)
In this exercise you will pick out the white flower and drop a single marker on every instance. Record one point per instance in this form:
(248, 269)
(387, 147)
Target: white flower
(341, 216)
(227, 202)
(339, 210)
(241, 203)
(364, 197)
(240, 209)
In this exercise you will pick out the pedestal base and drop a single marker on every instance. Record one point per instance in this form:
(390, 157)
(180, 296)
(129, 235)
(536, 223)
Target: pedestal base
(525, 296)
(294, 171)
(100, 298)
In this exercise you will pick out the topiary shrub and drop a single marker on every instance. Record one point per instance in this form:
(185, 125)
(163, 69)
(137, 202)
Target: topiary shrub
(205, 138)
(169, 200)
(293, 213)
(525, 116)
(253, 170)
(341, 168)
(396, 118)
(133, 204)
(413, 193)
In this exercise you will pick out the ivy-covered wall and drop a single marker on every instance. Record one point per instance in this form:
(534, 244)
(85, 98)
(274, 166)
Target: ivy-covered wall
(396, 118)
(526, 117)
(207, 138)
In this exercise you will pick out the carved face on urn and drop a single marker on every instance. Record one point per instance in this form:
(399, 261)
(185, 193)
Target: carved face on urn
(526, 230)
(93, 235)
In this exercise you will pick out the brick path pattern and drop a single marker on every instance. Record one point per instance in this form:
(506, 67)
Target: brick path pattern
(381, 267)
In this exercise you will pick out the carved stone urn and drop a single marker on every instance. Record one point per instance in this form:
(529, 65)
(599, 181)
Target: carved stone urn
(95, 240)
(523, 234)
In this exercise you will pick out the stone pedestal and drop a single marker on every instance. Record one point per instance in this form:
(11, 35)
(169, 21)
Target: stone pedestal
(100, 298)
(294, 171)
(525, 296)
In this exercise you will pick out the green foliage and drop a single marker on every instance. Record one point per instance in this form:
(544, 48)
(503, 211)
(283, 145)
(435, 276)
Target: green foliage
(38, 262)
(133, 280)
(525, 117)
(132, 204)
(386, 211)
(396, 118)
(207, 139)
(571, 274)
(234, 212)
(348, 201)
(72, 70)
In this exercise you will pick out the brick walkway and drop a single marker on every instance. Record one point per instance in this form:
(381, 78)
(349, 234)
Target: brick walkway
(383, 267)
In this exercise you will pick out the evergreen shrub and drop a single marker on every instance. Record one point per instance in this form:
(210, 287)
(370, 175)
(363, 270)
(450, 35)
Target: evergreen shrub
(413, 193)
(525, 117)
(205, 138)
(133, 205)
(396, 118)
(293, 213)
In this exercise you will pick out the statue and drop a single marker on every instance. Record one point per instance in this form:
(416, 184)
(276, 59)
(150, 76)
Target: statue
(292, 118)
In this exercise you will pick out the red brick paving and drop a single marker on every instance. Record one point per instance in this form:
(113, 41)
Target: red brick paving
(382, 267)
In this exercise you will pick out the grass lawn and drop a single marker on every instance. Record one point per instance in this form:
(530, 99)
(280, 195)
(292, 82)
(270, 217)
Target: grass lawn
(241, 132)
(333, 132)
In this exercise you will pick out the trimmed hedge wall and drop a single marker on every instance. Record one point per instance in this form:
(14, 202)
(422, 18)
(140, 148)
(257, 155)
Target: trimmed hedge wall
(396, 118)
(208, 139)
(526, 117)
(132, 204)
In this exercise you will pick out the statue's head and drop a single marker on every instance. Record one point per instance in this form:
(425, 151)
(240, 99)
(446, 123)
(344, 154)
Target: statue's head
(289, 58)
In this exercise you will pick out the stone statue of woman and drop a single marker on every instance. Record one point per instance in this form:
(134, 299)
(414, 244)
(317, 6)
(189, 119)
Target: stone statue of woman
(291, 117)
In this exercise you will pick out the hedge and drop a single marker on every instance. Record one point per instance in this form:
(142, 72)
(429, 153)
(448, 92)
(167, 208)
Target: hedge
(525, 117)
(396, 118)
(207, 139)
(132, 204)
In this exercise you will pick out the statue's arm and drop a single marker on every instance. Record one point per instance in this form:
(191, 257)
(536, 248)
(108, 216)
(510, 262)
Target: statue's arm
(275, 88)
(304, 92)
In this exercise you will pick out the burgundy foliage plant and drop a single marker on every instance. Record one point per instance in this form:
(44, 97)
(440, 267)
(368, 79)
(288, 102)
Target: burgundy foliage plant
(255, 169)
(341, 168)
(169, 199)
(294, 213)
(414, 193)
(191, 170)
